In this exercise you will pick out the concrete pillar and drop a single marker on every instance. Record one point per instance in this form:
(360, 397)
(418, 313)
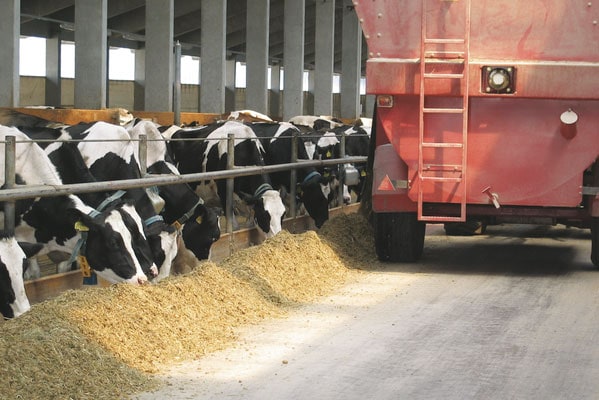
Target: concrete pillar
(10, 29)
(351, 61)
(230, 67)
(309, 98)
(293, 50)
(324, 57)
(159, 55)
(139, 80)
(53, 78)
(369, 106)
(212, 59)
(275, 91)
(90, 54)
(257, 29)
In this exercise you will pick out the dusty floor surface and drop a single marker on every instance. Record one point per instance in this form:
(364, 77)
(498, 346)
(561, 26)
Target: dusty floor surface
(511, 314)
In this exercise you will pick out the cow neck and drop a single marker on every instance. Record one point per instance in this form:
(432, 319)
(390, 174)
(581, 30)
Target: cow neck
(185, 217)
(79, 249)
(310, 176)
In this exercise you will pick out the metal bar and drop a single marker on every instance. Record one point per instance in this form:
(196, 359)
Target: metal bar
(25, 192)
(9, 183)
(341, 177)
(177, 88)
(590, 190)
(143, 154)
(230, 181)
(293, 176)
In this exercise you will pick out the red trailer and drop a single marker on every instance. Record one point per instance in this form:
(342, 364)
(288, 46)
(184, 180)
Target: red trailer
(486, 110)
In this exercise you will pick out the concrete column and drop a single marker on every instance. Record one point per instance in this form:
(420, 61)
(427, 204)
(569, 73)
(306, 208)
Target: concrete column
(257, 29)
(309, 98)
(293, 50)
(351, 61)
(275, 91)
(159, 55)
(324, 57)
(212, 59)
(10, 29)
(230, 67)
(369, 106)
(90, 53)
(53, 78)
(139, 80)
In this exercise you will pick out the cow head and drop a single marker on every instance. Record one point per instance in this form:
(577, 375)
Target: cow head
(162, 239)
(13, 299)
(201, 231)
(269, 209)
(115, 246)
(314, 193)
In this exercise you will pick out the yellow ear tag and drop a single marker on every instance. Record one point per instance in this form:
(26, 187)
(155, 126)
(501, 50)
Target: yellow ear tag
(329, 154)
(363, 173)
(81, 227)
(199, 220)
(86, 270)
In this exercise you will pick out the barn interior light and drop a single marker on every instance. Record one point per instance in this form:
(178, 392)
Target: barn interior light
(384, 100)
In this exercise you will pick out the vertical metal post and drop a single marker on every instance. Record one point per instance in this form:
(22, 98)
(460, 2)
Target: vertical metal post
(9, 183)
(143, 154)
(230, 181)
(177, 88)
(341, 174)
(293, 176)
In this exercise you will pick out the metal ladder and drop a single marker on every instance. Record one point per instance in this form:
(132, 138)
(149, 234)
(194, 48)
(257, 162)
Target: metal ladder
(431, 174)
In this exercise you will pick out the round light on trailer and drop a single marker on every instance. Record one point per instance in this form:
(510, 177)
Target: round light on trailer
(499, 79)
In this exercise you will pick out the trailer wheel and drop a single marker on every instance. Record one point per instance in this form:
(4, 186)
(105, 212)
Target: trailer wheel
(399, 237)
(595, 241)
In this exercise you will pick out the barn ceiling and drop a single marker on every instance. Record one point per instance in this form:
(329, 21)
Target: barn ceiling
(126, 24)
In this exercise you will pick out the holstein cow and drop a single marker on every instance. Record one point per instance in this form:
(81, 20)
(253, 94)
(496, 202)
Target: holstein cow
(313, 189)
(210, 154)
(115, 160)
(356, 144)
(199, 225)
(110, 241)
(13, 299)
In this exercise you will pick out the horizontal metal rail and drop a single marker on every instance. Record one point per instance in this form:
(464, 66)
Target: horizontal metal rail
(28, 191)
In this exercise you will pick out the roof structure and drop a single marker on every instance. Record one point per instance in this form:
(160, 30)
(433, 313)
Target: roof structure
(126, 26)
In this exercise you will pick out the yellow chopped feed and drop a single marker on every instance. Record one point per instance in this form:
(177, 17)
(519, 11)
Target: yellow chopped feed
(104, 343)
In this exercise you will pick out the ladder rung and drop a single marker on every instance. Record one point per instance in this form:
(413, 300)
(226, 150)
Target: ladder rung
(443, 110)
(443, 41)
(441, 178)
(443, 56)
(443, 76)
(433, 144)
(438, 218)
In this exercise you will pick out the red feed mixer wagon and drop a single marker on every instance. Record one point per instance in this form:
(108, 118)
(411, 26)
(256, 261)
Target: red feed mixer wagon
(486, 110)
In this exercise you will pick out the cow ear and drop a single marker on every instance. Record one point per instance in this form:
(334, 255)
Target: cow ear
(76, 217)
(30, 249)
(248, 198)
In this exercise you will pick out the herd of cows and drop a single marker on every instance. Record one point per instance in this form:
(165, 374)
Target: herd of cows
(135, 235)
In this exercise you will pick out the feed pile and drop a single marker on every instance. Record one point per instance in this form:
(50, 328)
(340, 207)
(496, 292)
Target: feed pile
(101, 343)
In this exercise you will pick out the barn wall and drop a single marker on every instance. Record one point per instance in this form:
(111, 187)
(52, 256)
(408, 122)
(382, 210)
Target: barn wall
(32, 93)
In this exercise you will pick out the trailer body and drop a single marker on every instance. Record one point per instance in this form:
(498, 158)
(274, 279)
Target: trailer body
(486, 110)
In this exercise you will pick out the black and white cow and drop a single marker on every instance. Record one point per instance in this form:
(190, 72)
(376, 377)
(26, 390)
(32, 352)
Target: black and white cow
(210, 154)
(357, 141)
(198, 223)
(112, 240)
(13, 299)
(110, 154)
(313, 190)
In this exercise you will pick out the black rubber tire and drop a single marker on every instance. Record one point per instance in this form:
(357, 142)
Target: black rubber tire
(399, 237)
(595, 241)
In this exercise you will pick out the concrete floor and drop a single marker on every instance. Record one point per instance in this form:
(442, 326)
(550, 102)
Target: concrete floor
(512, 314)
